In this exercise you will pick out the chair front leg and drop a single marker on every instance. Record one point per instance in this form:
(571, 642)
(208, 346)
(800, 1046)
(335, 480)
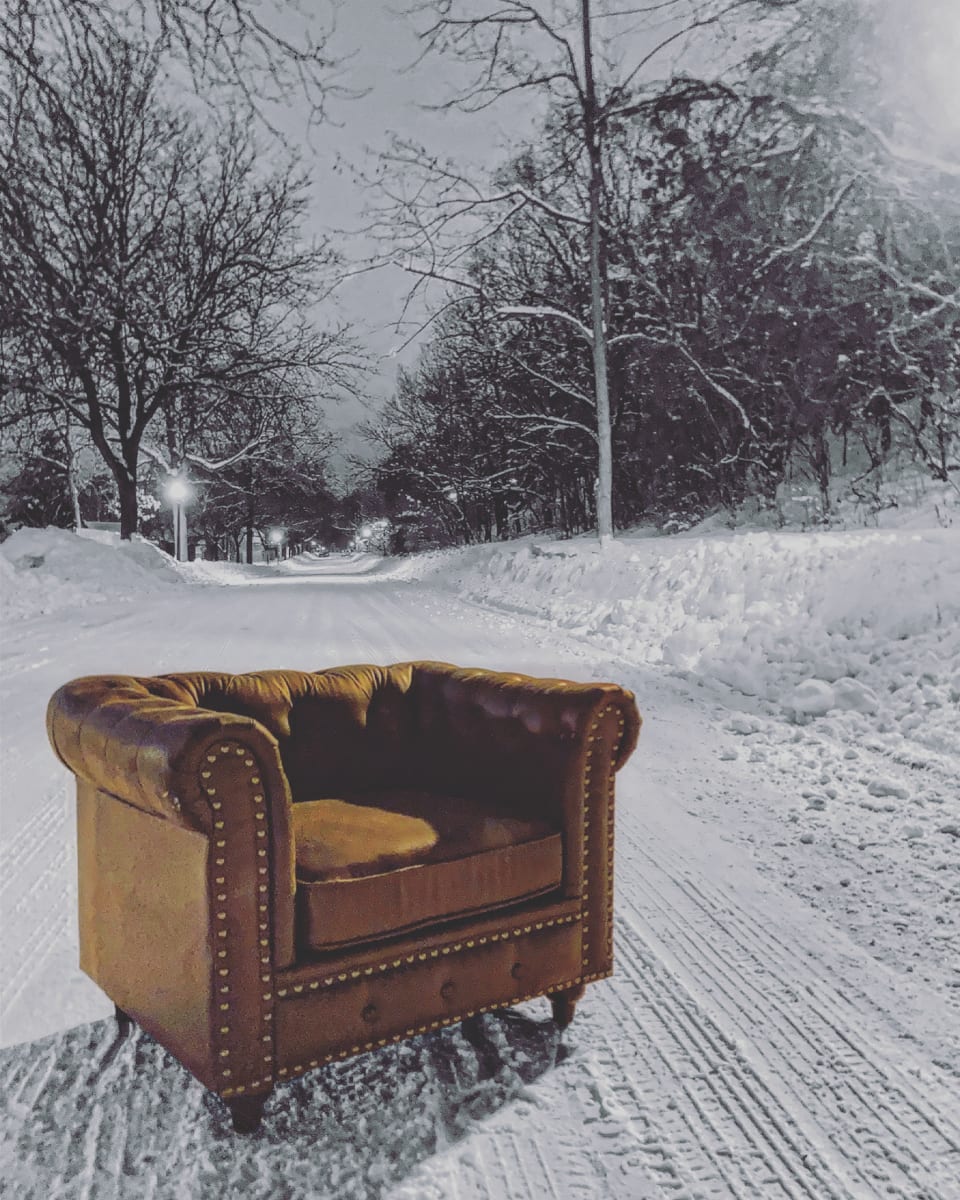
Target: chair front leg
(564, 1004)
(124, 1022)
(246, 1112)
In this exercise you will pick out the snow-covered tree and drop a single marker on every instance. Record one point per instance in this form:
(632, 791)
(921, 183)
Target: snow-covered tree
(434, 214)
(777, 277)
(159, 266)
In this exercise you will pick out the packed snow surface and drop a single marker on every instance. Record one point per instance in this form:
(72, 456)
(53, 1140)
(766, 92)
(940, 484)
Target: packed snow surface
(785, 1016)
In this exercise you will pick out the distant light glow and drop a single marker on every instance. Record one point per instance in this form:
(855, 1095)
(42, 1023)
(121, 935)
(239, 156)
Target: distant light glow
(178, 490)
(366, 531)
(276, 536)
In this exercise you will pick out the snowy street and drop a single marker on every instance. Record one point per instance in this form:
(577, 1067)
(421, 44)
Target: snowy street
(783, 1021)
(578, 342)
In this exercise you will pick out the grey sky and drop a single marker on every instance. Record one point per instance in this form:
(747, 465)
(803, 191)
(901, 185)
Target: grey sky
(382, 43)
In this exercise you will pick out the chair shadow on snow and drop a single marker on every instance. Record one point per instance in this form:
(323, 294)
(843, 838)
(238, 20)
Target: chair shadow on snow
(86, 1113)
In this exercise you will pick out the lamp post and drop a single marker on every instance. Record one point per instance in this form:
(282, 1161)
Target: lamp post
(178, 493)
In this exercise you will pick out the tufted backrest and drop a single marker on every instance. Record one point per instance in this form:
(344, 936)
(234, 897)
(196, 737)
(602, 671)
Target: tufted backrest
(423, 725)
(342, 729)
(499, 735)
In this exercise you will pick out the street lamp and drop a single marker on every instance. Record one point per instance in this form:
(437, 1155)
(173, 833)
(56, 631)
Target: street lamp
(276, 537)
(179, 493)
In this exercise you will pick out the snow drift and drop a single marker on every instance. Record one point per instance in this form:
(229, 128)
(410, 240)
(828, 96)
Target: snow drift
(864, 622)
(47, 570)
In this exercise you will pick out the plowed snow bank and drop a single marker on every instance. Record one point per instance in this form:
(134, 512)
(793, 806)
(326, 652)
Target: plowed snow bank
(46, 570)
(864, 622)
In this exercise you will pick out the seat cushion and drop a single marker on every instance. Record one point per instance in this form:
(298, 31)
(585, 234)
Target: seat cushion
(380, 863)
(337, 839)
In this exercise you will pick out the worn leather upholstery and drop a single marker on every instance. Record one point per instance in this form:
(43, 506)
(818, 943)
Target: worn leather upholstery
(381, 862)
(286, 867)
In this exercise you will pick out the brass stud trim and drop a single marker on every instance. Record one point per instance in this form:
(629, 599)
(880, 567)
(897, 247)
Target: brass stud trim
(440, 1023)
(233, 840)
(424, 956)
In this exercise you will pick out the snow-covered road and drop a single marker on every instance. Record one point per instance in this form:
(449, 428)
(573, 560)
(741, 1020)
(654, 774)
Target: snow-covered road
(747, 1046)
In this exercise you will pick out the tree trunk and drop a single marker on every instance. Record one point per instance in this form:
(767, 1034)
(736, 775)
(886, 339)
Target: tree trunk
(250, 543)
(127, 488)
(74, 491)
(604, 495)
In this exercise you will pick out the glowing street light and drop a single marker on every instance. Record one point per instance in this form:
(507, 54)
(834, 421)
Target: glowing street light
(179, 493)
(177, 490)
(276, 538)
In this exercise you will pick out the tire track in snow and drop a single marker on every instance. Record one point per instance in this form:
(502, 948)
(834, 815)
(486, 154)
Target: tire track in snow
(933, 1121)
(726, 1122)
(888, 1134)
(37, 878)
(47, 936)
(31, 840)
(760, 948)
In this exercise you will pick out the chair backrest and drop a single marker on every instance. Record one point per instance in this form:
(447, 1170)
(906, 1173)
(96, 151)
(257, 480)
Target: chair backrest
(501, 736)
(343, 729)
(478, 733)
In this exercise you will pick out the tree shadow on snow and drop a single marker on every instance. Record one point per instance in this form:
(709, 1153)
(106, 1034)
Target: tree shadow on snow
(85, 1115)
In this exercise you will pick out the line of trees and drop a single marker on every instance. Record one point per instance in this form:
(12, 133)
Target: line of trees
(749, 272)
(680, 286)
(157, 291)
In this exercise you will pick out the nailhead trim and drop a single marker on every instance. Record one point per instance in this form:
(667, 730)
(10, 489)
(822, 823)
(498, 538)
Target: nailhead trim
(337, 1055)
(593, 737)
(423, 955)
(222, 824)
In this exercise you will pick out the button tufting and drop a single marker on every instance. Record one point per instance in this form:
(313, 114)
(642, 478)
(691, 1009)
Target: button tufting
(448, 990)
(370, 1014)
(516, 970)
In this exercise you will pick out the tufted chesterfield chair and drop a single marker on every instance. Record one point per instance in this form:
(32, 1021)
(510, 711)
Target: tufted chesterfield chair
(282, 869)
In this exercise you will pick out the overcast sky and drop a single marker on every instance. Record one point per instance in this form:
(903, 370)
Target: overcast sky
(382, 44)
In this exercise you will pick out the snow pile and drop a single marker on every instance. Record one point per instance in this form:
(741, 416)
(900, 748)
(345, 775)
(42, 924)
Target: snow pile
(866, 623)
(48, 570)
(221, 573)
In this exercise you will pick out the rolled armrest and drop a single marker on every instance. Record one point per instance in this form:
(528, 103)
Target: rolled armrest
(124, 736)
(524, 734)
(147, 743)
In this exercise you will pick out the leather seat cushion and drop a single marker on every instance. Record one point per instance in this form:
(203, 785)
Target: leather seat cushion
(378, 863)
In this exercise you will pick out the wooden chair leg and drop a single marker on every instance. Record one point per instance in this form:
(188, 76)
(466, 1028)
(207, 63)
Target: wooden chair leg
(124, 1022)
(247, 1111)
(564, 1004)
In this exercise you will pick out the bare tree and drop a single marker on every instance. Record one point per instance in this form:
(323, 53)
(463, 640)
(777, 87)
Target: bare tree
(436, 214)
(160, 267)
(264, 53)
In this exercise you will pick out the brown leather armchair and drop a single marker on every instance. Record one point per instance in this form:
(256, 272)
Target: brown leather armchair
(285, 868)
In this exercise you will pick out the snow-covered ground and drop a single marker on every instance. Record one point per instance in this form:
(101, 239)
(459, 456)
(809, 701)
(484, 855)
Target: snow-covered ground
(832, 665)
(784, 1017)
